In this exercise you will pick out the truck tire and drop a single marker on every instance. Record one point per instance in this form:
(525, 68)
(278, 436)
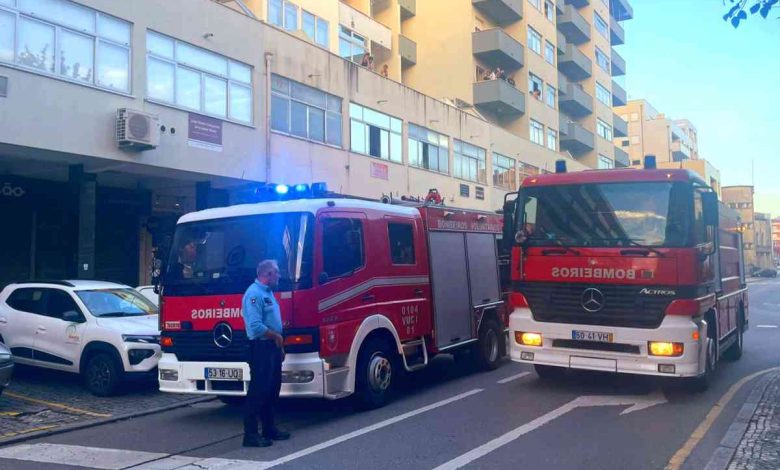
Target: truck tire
(549, 372)
(488, 349)
(232, 400)
(102, 375)
(375, 376)
(702, 383)
(734, 352)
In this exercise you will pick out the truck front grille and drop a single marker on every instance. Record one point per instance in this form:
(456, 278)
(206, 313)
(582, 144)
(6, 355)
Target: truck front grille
(200, 346)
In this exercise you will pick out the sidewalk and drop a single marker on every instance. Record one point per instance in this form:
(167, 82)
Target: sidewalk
(759, 448)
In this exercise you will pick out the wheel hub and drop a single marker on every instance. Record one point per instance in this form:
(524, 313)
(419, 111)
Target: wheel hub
(379, 373)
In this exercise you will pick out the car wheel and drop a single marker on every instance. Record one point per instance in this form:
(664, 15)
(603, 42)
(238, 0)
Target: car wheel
(488, 348)
(102, 375)
(734, 352)
(377, 366)
(702, 383)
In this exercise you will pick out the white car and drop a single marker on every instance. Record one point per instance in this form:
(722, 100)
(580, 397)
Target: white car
(104, 331)
(149, 293)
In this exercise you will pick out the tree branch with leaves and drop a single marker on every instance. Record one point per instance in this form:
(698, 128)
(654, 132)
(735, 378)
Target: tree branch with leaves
(738, 11)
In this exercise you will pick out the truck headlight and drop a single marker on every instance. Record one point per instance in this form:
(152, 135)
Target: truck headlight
(170, 375)
(297, 376)
(665, 348)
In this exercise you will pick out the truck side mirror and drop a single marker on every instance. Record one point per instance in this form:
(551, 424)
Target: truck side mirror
(710, 205)
(508, 236)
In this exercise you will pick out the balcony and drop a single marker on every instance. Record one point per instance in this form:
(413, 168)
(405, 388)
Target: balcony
(497, 48)
(576, 102)
(618, 64)
(617, 35)
(574, 26)
(408, 8)
(561, 43)
(680, 151)
(619, 95)
(577, 3)
(619, 126)
(407, 49)
(365, 26)
(574, 138)
(559, 5)
(574, 64)
(563, 83)
(499, 97)
(502, 12)
(621, 158)
(621, 10)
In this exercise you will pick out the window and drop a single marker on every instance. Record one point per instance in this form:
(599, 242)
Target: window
(428, 149)
(535, 86)
(534, 40)
(305, 112)
(600, 24)
(315, 28)
(464, 190)
(603, 94)
(401, 238)
(536, 132)
(549, 95)
(504, 171)
(605, 162)
(549, 52)
(602, 60)
(469, 162)
(184, 75)
(375, 134)
(479, 193)
(603, 129)
(536, 3)
(27, 300)
(549, 11)
(275, 16)
(352, 46)
(58, 302)
(67, 40)
(526, 171)
(552, 139)
(342, 246)
(108, 302)
(625, 143)
(290, 16)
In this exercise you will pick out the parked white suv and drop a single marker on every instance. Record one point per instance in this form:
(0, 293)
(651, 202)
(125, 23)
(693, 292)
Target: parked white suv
(104, 331)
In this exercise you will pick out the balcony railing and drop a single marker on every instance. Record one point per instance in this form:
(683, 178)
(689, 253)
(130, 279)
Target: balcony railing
(621, 158)
(618, 64)
(497, 48)
(408, 51)
(617, 35)
(621, 10)
(574, 138)
(574, 26)
(577, 3)
(502, 12)
(576, 102)
(619, 95)
(499, 97)
(574, 64)
(408, 8)
(365, 26)
(619, 126)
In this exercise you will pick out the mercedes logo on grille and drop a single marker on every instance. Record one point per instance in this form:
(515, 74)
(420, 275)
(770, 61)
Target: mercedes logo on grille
(592, 300)
(223, 335)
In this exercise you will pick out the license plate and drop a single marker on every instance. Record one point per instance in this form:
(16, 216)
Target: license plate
(224, 373)
(599, 336)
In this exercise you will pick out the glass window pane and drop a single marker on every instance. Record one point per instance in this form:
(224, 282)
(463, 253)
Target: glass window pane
(376, 118)
(76, 56)
(384, 144)
(396, 154)
(114, 29)
(66, 13)
(334, 104)
(215, 96)
(308, 95)
(35, 46)
(308, 24)
(358, 137)
(275, 12)
(395, 125)
(333, 129)
(322, 32)
(290, 16)
(159, 44)
(188, 88)
(240, 72)
(7, 34)
(159, 80)
(280, 113)
(413, 154)
(298, 119)
(201, 59)
(10, 3)
(345, 49)
(316, 124)
(240, 103)
(280, 84)
(355, 111)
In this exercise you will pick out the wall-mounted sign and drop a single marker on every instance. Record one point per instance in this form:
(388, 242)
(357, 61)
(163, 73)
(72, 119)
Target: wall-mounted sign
(11, 190)
(380, 171)
(204, 132)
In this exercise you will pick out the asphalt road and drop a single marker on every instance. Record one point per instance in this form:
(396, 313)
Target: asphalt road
(448, 416)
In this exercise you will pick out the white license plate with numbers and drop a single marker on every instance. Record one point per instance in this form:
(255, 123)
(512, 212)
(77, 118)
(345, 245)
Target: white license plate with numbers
(224, 373)
(599, 336)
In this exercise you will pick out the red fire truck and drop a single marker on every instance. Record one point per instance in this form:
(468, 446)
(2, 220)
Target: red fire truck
(368, 291)
(636, 271)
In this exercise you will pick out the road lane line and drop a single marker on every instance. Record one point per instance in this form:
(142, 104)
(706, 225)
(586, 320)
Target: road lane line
(81, 456)
(27, 431)
(766, 326)
(513, 377)
(57, 405)
(679, 457)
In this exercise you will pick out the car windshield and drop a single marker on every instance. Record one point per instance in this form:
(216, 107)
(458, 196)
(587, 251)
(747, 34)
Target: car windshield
(116, 303)
(607, 214)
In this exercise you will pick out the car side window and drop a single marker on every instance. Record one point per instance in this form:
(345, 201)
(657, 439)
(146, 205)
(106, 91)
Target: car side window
(342, 243)
(401, 238)
(30, 300)
(59, 302)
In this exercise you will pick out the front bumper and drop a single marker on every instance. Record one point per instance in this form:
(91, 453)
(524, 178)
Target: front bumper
(190, 376)
(673, 328)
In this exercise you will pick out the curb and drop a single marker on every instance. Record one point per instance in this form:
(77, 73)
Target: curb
(99, 422)
(722, 456)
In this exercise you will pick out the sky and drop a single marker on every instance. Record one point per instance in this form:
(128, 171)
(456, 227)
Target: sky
(690, 64)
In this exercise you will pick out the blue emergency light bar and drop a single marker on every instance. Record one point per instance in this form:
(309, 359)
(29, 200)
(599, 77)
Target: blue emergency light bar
(285, 192)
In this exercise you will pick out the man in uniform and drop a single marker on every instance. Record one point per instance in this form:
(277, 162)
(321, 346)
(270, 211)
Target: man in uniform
(263, 322)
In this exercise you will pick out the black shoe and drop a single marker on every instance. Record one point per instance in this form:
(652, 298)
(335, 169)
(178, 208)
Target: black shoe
(277, 435)
(255, 440)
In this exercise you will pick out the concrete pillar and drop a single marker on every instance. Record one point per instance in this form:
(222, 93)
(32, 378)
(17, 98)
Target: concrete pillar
(84, 186)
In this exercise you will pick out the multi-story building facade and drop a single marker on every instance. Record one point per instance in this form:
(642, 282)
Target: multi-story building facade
(234, 94)
(764, 247)
(776, 238)
(740, 198)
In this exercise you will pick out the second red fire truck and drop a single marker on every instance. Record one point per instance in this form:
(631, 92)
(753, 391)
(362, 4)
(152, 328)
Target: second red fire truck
(368, 290)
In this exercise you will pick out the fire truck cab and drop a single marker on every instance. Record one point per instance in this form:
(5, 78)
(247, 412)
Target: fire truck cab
(368, 291)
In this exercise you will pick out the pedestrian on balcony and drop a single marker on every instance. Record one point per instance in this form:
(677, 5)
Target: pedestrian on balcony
(263, 322)
(385, 71)
(371, 63)
(364, 60)
(501, 73)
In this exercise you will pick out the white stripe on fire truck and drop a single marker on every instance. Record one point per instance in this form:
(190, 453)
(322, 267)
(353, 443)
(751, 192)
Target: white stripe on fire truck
(370, 284)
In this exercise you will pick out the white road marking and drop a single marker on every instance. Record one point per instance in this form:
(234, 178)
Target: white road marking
(767, 326)
(92, 457)
(513, 377)
(637, 403)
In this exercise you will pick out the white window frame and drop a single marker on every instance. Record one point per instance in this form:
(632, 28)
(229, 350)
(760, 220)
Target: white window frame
(327, 111)
(603, 94)
(532, 80)
(550, 93)
(536, 132)
(552, 139)
(601, 26)
(549, 11)
(466, 154)
(604, 130)
(60, 27)
(605, 163)
(526, 170)
(317, 24)
(534, 40)
(603, 64)
(549, 52)
(394, 128)
(536, 4)
(348, 35)
(507, 178)
(433, 139)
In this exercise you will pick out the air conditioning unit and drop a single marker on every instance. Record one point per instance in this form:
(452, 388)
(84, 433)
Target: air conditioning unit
(136, 130)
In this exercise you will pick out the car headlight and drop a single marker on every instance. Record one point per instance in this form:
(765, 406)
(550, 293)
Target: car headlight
(146, 339)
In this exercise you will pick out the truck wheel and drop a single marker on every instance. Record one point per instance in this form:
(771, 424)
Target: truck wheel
(702, 383)
(734, 352)
(549, 372)
(488, 350)
(102, 375)
(232, 400)
(377, 366)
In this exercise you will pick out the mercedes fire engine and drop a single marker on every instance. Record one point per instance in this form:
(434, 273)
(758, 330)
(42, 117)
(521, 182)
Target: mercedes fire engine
(636, 271)
(369, 290)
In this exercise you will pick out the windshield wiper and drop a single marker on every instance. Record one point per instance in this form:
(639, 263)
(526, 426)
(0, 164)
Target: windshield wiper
(564, 248)
(633, 242)
(120, 314)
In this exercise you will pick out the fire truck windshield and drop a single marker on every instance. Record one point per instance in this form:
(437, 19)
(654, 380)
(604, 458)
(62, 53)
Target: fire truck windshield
(220, 256)
(652, 214)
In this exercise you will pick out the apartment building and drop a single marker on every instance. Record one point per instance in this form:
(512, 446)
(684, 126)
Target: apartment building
(776, 238)
(764, 246)
(740, 198)
(154, 108)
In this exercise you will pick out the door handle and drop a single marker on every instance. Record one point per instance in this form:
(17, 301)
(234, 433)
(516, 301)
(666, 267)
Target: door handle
(41, 329)
(368, 298)
(3, 320)
(418, 292)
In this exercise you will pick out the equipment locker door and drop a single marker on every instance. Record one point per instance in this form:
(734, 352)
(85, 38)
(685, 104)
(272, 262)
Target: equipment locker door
(451, 300)
(483, 270)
